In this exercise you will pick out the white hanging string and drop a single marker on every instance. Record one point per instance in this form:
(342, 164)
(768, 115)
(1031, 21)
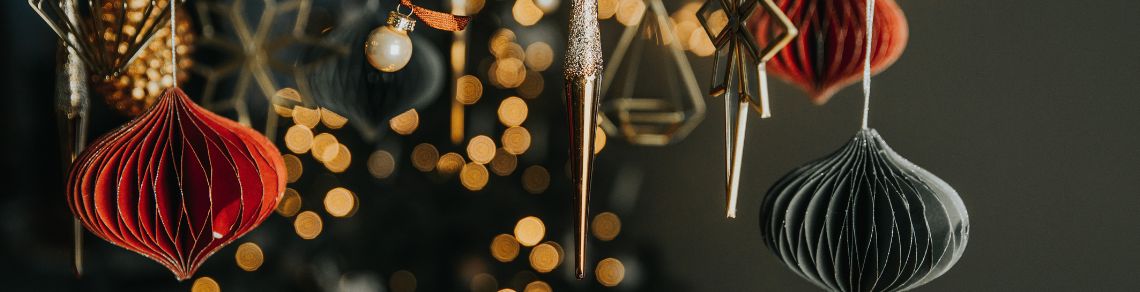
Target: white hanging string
(173, 48)
(867, 62)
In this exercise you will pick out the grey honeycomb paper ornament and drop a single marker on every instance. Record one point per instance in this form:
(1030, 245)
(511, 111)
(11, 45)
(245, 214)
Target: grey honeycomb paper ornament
(865, 219)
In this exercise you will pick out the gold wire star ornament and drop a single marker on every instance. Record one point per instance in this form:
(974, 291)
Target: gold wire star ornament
(738, 51)
(260, 51)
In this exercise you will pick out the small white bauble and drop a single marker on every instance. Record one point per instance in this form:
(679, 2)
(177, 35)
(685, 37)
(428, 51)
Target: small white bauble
(388, 49)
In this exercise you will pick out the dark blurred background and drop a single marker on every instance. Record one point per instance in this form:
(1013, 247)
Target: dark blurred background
(1028, 108)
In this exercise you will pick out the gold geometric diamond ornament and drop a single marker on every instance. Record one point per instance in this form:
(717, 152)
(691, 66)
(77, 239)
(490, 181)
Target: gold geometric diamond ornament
(733, 74)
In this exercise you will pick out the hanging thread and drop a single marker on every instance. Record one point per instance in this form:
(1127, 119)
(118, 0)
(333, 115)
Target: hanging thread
(173, 47)
(867, 62)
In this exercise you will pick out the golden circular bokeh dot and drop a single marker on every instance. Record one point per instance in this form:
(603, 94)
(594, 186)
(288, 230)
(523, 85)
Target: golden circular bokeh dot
(332, 120)
(504, 163)
(610, 272)
(306, 116)
(630, 12)
(381, 164)
(290, 203)
(607, 8)
(500, 39)
(599, 140)
(516, 140)
(402, 281)
(340, 202)
(341, 161)
(539, 56)
(283, 111)
(450, 164)
(529, 231)
(293, 168)
(249, 256)
(526, 12)
(538, 286)
(481, 149)
(289, 94)
(471, 7)
(474, 176)
(700, 44)
(424, 157)
(468, 89)
(405, 123)
(504, 248)
(308, 225)
(510, 72)
(558, 247)
(535, 179)
(532, 86)
(544, 258)
(299, 138)
(205, 284)
(511, 50)
(606, 226)
(484, 282)
(507, 290)
(512, 111)
(325, 147)
(717, 20)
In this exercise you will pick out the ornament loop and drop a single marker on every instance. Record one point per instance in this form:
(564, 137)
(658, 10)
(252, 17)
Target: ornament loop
(401, 22)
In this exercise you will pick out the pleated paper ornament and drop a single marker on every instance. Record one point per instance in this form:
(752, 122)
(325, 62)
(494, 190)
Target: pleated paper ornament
(865, 219)
(176, 184)
(827, 56)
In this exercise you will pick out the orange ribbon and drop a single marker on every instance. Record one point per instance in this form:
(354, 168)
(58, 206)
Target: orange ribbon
(438, 20)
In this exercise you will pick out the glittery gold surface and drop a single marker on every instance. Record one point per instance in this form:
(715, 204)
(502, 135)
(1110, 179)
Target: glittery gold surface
(145, 78)
(584, 47)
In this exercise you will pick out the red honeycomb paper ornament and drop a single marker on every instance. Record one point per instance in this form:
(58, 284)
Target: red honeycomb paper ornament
(176, 184)
(828, 54)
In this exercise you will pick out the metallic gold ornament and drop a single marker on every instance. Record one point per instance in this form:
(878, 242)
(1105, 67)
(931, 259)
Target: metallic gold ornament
(657, 105)
(734, 77)
(137, 87)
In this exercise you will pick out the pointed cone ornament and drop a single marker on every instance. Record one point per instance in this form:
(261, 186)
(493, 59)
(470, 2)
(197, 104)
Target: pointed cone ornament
(865, 219)
(582, 74)
(176, 184)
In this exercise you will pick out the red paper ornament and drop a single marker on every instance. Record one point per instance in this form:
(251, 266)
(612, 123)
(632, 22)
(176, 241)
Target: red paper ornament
(176, 184)
(828, 54)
